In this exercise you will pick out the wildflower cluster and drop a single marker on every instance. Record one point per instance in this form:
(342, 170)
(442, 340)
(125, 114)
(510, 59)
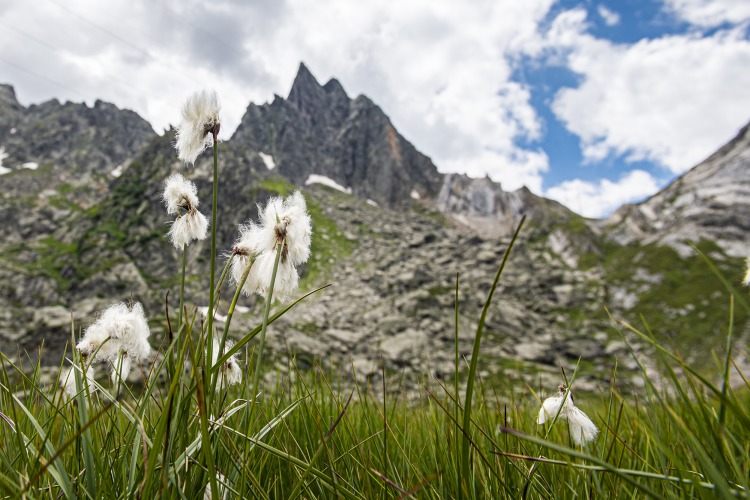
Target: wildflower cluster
(120, 335)
(582, 429)
(284, 223)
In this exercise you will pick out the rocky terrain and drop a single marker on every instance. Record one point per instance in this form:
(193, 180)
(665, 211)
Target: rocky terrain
(710, 201)
(86, 227)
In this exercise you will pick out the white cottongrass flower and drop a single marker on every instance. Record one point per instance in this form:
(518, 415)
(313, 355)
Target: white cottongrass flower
(282, 221)
(68, 381)
(261, 273)
(121, 333)
(179, 193)
(746, 280)
(191, 226)
(200, 115)
(230, 372)
(181, 199)
(289, 221)
(582, 429)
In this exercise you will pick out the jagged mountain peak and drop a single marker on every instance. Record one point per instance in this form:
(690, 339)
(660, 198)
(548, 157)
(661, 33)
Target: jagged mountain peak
(334, 87)
(320, 130)
(77, 139)
(8, 96)
(306, 90)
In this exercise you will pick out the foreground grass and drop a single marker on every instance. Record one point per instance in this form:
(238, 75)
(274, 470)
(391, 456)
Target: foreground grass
(684, 440)
(317, 434)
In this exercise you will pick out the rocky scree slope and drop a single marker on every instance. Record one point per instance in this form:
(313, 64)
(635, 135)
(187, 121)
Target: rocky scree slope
(392, 266)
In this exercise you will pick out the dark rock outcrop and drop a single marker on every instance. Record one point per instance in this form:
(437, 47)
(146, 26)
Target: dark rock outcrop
(320, 130)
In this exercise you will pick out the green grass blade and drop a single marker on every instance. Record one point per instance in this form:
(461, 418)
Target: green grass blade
(466, 445)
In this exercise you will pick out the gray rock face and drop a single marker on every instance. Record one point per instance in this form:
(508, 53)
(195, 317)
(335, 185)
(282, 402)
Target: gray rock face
(482, 205)
(57, 167)
(10, 110)
(320, 130)
(710, 201)
(75, 138)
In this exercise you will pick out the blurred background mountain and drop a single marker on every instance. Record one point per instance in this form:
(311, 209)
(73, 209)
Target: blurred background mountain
(82, 225)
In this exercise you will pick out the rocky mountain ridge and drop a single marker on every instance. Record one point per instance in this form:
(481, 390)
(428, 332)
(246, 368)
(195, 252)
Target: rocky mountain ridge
(711, 201)
(391, 246)
(320, 130)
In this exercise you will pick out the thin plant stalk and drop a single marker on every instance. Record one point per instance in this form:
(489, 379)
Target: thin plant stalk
(455, 381)
(266, 313)
(230, 313)
(182, 289)
(211, 289)
(208, 450)
(261, 343)
(725, 378)
(466, 444)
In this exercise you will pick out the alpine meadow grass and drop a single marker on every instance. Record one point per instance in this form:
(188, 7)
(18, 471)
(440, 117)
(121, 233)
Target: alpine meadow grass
(205, 423)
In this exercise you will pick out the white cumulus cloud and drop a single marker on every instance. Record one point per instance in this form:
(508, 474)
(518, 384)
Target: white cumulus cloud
(671, 100)
(440, 69)
(610, 17)
(601, 198)
(708, 13)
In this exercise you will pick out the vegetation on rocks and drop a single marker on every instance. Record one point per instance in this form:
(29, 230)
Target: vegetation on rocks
(418, 358)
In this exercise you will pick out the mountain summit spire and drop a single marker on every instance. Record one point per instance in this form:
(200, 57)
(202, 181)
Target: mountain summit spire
(305, 90)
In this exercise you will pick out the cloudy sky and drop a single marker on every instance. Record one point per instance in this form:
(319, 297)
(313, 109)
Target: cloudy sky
(592, 103)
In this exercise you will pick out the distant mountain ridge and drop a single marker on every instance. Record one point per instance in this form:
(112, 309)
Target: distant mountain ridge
(86, 226)
(712, 201)
(73, 136)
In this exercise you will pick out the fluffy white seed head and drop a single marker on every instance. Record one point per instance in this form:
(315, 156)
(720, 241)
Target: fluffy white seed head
(746, 280)
(582, 429)
(239, 264)
(96, 342)
(230, 372)
(287, 219)
(255, 239)
(282, 221)
(298, 229)
(119, 329)
(179, 193)
(551, 407)
(188, 227)
(135, 338)
(259, 279)
(68, 381)
(200, 113)
(120, 368)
